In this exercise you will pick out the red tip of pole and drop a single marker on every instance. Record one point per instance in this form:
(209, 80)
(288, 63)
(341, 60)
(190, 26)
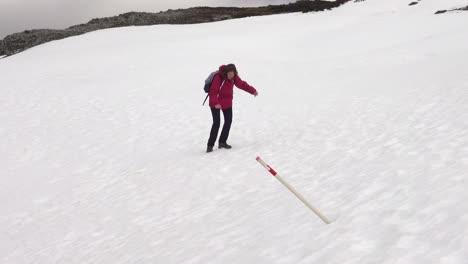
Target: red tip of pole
(272, 171)
(258, 158)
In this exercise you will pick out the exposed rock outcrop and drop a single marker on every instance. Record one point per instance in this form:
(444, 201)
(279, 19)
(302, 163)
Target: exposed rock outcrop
(21, 41)
(456, 9)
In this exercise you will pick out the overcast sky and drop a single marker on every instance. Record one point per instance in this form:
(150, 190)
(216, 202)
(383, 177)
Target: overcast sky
(19, 15)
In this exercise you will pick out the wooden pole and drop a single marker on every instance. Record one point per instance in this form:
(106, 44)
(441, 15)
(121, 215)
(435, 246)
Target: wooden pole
(290, 188)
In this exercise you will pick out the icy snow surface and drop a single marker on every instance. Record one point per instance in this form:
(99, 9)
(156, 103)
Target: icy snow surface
(363, 109)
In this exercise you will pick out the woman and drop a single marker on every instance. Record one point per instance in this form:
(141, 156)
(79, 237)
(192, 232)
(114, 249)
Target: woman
(221, 95)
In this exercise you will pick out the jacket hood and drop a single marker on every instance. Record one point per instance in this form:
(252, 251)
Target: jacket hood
(221, 68)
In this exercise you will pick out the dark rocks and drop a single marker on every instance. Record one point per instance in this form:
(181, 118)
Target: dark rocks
(456, 9)
(413, 3)
(440, 12)
(20, 41)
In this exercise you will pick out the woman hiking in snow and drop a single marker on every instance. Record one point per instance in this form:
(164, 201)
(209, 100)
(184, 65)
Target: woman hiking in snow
(221, 95)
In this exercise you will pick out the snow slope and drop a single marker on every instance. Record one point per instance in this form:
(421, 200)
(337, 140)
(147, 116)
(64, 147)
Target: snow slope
(364, 109)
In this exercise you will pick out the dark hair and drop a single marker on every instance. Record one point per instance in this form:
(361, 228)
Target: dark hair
(229, 68)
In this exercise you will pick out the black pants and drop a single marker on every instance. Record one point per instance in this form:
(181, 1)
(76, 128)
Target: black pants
(216, 123)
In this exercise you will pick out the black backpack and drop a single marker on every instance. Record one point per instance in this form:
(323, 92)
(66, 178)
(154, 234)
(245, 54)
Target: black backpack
(208, 83)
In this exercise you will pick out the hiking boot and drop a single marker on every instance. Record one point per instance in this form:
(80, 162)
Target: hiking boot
(224, 145)
(209, 149)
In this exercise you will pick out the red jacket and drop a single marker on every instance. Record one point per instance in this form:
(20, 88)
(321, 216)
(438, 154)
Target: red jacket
(225, 96)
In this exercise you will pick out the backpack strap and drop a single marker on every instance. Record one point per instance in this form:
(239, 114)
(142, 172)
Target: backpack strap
(221, 86)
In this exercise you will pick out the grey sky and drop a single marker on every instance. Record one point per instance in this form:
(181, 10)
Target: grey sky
(19, 15)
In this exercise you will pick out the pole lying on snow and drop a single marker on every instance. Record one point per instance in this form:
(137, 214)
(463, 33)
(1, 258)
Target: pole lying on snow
(290, 188)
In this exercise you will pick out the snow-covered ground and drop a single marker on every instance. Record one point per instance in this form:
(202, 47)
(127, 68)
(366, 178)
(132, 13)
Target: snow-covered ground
(364, 109)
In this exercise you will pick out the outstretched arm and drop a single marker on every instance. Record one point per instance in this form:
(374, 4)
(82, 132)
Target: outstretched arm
(244, 86)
